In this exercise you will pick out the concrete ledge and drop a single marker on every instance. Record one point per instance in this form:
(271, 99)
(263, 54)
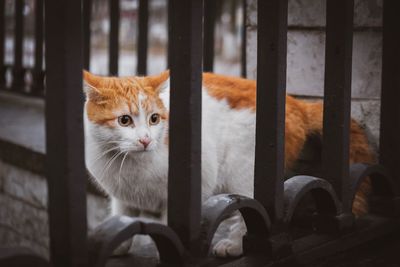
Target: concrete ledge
(22, 157)
(22, 135)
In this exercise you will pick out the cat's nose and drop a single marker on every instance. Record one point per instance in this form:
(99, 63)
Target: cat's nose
(145, 141)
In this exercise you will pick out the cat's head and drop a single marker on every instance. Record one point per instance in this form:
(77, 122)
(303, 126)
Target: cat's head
(127, 113)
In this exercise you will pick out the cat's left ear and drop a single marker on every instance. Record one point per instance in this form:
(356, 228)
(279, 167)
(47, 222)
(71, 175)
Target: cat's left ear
(90, 85)
(159, 82)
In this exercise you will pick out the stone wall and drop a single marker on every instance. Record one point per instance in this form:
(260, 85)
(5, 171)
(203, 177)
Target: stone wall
(306, 54)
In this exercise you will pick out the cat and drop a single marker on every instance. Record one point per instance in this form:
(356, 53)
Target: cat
(126, 136)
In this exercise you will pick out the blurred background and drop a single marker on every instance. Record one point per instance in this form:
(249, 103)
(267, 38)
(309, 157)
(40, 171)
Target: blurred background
(228, 27)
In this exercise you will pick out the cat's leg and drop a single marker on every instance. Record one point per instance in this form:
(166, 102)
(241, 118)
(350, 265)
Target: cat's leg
(120, 208)
(232, 246)
(143, 244)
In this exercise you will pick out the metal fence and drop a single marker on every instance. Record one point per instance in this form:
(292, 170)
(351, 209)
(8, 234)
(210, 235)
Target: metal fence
(192, 224)
(18, 78)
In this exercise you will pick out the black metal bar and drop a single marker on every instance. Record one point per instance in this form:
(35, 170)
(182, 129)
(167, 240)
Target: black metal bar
(87, 17)
(38, 72)
(184, 177)
(65, 169)
(39, 35)
(142, 40)
(18, 71)
(169, 21)
(337, 96)
(243, 62)
(2, 44)
(113, 53)
(390, 108)
(210, 8)
(271, 92)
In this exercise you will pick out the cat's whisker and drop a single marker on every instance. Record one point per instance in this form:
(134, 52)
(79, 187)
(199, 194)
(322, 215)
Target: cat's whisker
(106, 165)
(108, 150)
(120, 168)
(103, 143)
(110, 162)
(105, 153)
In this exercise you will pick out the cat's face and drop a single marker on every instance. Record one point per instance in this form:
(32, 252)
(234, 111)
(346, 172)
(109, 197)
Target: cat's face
(127, 114)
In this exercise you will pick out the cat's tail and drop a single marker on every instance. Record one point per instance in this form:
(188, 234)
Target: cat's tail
(360, 151)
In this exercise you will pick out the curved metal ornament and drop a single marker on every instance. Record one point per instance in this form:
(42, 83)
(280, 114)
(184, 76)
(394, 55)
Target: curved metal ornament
(113, 232)
(169, 246)
(382, 182)
(297, 187)
(385, 195)
(21, 257)
(220, 207)
(329, 217)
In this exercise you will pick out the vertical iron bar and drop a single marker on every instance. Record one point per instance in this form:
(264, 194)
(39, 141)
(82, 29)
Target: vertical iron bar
(113, 53)
(390, 108)
(18, 71)
(142, 40)
(271, 92)
(337, 96)
(2, 44)
(64, 133)
(210, 8)
(87, 17)
(184, 177)
(243, 62)
(169, 21)
(38, 72)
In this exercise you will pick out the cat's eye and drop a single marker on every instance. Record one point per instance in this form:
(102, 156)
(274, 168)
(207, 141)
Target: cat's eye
(125, 120)
(154, 119)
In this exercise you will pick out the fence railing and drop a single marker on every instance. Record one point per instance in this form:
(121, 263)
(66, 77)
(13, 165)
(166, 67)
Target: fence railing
(191, 225)
(17, 77)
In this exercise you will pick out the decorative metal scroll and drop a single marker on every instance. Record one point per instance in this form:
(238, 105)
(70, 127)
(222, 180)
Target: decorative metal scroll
(21, 257)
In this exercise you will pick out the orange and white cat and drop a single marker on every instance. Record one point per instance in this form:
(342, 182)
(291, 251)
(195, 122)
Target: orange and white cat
(126, 132)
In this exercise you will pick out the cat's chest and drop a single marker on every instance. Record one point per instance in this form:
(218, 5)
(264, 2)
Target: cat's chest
(139, 178)
(142, 180)
(147, 168)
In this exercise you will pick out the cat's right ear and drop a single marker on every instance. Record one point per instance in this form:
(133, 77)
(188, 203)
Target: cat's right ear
(90, 86)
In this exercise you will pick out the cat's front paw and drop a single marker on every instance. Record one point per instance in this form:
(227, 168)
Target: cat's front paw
(228, 248)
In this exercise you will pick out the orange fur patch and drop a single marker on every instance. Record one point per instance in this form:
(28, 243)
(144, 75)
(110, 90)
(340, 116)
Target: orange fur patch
(239, 93)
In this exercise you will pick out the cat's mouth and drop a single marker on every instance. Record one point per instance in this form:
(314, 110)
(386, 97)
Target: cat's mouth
(134, 148)
(141, 149)
(147, 149)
